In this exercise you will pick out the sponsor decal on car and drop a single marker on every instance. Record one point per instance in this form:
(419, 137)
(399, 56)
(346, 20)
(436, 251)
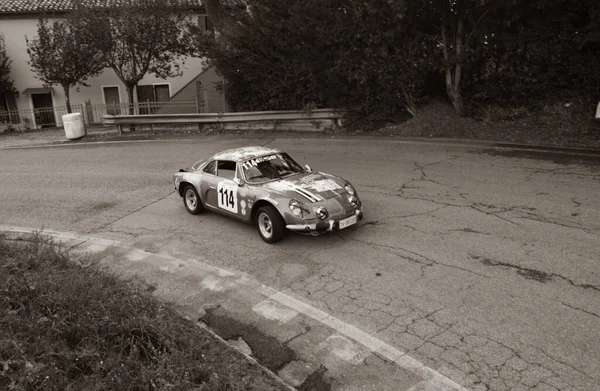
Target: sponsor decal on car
(254, 162)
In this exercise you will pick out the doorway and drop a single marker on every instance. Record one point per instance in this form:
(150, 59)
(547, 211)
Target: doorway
(43, 110)
(112, 100)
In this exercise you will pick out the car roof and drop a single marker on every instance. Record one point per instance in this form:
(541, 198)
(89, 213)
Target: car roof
(244, 153)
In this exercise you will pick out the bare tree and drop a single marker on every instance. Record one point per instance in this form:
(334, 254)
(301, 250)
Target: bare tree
(144, 36)
(64, 53)
(460, 22)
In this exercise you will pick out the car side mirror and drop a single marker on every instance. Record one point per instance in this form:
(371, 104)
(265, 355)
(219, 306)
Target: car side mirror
(238, 181)
(308, 167)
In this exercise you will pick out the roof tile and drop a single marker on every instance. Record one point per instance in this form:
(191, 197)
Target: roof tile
(40, 6)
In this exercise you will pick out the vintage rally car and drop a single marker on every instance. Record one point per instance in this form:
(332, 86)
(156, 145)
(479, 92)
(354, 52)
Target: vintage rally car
(268, 188)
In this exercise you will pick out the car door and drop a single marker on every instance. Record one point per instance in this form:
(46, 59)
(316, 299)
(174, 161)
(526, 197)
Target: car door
(208, 184)
(223, 192)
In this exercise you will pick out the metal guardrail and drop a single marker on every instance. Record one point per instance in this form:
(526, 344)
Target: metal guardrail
(274, 117)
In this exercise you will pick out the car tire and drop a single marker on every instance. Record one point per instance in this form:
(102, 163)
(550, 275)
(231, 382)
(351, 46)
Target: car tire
(192, 201)
(270, 224)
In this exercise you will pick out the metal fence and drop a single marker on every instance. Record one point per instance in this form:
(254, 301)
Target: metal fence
(93, 114)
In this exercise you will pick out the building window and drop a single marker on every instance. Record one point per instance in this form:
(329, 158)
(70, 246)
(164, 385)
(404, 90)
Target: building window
(208, 26)
(150, 96)
(8, 109)
(204, 24)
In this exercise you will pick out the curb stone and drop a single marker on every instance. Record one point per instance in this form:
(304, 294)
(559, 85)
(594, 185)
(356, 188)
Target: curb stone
(311, 348)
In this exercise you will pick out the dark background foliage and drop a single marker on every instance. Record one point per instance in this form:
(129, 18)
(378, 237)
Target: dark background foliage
(381, 58)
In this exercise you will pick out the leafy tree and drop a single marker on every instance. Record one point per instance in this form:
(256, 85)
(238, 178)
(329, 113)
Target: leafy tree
(6, 84)
(375, 57)
(140, 37)
(459, 26)
(380, 54)
(270, 57)
(295, 54)
(64, 53)
(537, 50)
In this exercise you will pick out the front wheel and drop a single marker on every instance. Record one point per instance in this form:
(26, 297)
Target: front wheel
(271, 225)
(191, 200)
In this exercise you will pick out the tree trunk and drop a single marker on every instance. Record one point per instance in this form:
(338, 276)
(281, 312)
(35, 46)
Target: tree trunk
(409, 102)
(131, 110)
(67, 90)
(454, 65)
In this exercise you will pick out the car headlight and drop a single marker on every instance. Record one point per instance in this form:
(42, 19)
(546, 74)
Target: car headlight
(297, 208)
(349, 189)
(322, 213)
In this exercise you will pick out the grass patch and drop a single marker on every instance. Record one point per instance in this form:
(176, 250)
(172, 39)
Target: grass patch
(67, 326)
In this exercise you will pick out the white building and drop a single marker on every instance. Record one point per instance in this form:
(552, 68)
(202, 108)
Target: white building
(37, 106)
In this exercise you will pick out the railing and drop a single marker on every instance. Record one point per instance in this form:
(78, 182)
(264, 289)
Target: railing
(93, 114)
(314, 120)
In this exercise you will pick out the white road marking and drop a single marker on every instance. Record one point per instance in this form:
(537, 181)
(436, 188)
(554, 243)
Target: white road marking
(273, 310)
(433, 380)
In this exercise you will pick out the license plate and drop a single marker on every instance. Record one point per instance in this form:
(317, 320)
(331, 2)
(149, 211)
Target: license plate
(348, 222)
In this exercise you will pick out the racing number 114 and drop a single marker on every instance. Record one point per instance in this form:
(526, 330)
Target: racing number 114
(227, 198)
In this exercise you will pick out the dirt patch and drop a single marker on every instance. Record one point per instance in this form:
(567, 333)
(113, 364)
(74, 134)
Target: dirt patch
(316, 381)
(553, 126)
(266, 349)
(529, 274)
(103, 205)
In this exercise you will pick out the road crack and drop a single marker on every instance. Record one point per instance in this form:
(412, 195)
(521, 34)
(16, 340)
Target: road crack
(533, 274)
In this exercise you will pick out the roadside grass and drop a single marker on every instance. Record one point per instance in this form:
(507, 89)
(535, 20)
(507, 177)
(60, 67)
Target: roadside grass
(67, 324)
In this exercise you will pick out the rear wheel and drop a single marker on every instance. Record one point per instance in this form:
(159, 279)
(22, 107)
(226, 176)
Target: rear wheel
(270, 224)
(191, 200)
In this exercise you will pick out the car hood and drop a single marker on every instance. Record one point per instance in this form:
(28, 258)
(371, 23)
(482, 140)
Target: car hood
(313, 187)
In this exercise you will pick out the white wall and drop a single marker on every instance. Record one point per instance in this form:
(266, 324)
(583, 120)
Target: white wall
(15, 30)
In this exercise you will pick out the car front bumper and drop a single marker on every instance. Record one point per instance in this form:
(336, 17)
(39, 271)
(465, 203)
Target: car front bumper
(324, 225)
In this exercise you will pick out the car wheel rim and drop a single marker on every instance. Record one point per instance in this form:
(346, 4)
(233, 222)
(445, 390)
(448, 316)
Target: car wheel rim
(190, 199)
(265, 225)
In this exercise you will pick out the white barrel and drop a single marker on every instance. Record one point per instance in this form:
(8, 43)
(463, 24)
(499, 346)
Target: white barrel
(598, 112)
(74, 125)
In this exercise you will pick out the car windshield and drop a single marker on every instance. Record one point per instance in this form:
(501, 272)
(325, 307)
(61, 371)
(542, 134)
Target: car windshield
(275, 166)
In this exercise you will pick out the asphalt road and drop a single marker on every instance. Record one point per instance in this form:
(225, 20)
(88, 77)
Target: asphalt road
(483, 264)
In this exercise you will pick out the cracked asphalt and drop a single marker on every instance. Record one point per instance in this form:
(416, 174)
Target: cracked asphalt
(483, 264)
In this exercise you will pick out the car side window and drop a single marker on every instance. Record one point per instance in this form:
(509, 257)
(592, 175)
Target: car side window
(226, 169)
(211, 168)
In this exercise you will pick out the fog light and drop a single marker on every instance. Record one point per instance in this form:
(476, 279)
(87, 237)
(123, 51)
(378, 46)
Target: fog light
(353, 201)
(322, 213)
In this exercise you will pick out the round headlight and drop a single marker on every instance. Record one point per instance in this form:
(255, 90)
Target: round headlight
(349, 189)
(295, 208)
(322, 213)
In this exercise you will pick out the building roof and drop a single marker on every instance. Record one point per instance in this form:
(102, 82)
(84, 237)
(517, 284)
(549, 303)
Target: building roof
(60, 6)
